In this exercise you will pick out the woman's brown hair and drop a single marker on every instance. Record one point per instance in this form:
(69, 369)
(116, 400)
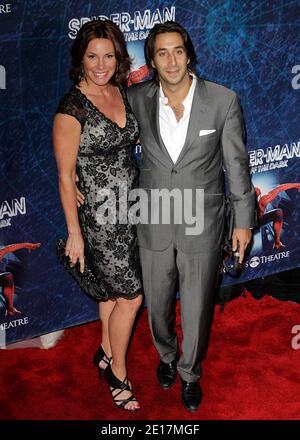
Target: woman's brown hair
(100, 29)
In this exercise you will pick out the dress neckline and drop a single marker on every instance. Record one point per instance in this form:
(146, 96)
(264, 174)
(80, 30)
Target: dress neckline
(101, 113)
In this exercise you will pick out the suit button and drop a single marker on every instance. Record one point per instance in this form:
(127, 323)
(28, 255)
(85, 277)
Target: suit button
(174, 171)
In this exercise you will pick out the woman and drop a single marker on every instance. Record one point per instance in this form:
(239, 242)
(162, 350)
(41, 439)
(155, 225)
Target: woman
(94, 134)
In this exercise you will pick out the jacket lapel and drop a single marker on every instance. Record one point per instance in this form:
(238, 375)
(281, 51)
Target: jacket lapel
(198, 109)
(153, 107)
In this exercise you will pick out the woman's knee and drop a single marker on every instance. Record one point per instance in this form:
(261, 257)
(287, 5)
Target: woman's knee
(131, 305)
(138, 301)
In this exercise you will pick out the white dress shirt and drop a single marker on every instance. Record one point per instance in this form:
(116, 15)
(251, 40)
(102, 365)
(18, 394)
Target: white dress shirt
(174, 133)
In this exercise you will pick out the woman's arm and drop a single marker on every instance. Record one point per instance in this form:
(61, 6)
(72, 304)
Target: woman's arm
(66, 139)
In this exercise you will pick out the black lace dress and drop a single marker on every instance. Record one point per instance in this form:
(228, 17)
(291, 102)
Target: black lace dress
(105, 161)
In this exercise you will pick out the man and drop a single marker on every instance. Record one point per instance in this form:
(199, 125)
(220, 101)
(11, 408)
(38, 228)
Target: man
(190, 129)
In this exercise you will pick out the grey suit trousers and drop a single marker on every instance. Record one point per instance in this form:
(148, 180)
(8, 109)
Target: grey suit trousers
(195, 274)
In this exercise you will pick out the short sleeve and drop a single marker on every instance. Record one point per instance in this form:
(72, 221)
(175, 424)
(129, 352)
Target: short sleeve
(72, 105)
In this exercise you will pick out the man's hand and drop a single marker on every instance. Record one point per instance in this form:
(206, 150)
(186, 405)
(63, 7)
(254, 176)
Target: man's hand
(243, 236)
(79, 195)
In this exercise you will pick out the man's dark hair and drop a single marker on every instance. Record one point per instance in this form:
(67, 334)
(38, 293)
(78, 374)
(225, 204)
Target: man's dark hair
(100, 29)
(167, 27)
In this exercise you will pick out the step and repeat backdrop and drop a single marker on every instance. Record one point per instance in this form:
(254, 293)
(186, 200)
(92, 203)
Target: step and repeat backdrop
(251, 47)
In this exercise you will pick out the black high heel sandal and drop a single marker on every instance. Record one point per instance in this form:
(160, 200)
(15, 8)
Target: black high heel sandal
(117, 384)
(99, 356)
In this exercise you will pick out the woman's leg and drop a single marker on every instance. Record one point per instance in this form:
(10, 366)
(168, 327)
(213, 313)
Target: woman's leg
(120, 325)
(105, 310)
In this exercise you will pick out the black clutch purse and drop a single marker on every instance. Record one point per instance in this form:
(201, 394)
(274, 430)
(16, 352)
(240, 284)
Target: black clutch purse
(87, 281)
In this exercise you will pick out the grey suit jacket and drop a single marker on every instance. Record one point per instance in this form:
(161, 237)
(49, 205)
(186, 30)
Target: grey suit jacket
(200, 165)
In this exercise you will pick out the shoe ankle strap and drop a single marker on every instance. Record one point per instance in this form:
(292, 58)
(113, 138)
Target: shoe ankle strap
(114, 382)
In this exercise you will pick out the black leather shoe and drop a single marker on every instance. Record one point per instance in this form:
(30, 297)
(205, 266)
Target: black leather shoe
(166, 374)
(191, 395)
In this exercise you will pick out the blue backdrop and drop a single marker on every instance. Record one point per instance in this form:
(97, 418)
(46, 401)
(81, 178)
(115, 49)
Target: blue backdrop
(250, 46)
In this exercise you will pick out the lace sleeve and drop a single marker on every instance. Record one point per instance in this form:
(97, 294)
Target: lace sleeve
(71, 105)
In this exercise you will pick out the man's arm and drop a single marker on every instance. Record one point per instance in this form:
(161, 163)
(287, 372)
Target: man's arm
(235, 160)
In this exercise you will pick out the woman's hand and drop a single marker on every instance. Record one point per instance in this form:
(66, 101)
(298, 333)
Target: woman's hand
(75, 249)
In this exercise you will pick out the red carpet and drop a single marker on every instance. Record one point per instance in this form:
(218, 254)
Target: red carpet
(251, 372)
